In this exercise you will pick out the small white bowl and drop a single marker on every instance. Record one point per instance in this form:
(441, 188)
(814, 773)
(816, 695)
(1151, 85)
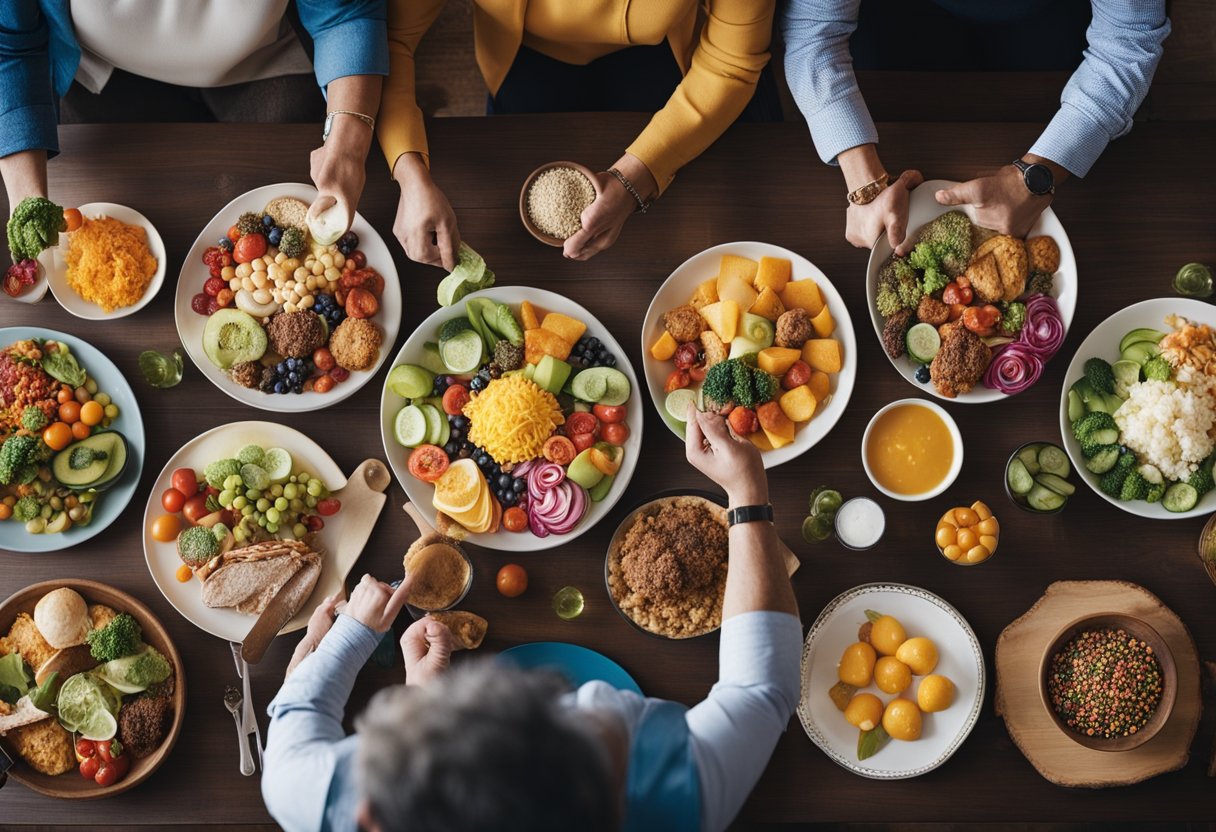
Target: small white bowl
(54, 260)
(955, 436)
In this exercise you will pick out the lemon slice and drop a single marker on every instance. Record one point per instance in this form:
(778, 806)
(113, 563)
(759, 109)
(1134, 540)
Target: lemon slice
(460, 488)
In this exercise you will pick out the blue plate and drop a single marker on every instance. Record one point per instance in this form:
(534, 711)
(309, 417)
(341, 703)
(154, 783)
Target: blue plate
(129, 423)
(578, 664)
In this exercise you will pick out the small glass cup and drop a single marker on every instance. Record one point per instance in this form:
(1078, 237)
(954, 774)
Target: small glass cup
(568, 603)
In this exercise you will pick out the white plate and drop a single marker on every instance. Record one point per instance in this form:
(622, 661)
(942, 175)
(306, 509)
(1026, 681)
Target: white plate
(922, 209)
(679, 287)
(220, 443)
(421, 493)
(54, 262)
(961, 660)
(1103, 342)
(190, 324)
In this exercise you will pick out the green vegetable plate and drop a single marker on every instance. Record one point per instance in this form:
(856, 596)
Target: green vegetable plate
(112, 501)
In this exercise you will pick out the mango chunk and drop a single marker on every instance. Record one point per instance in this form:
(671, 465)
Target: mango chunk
(776, 360)
(760, 440)
(798, 404)
(541, 342)
(803, 294)
(664, 348)
(741, 267)
(774, 273)
(820, 384)
(734, 288)
(723, 319)
(823, 354)
(528, 316)
(706, 294)
(567, 328)
(823, 324)
(768, 305)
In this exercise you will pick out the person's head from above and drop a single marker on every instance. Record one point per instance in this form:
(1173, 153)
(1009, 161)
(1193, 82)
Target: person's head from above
(486, 747)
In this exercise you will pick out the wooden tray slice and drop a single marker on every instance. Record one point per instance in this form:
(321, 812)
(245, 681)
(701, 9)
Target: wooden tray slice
(1058, 758)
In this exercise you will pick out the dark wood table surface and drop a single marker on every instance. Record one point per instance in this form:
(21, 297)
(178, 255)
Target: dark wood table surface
(1145, 210)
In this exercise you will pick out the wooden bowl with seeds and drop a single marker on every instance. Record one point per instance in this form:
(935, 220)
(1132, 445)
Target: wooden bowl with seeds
(553, 198)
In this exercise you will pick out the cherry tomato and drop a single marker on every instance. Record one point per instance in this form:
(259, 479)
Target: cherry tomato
(686, 355)
(615, 433)
(361, 303)
(172, 500)
(91, 413)
(113, 771)
(454, 399)
(324, 360)
(234, 233)
(323, 384)
(89, 767)
(581, 422)
(104, 750)
(698, 373)
(73, 218)
(166, 528)
(559, 449)
(608, 413)
(339, 374)
(80, 430)
(183, 574)
(329, 506)
(678, 380)
(69, 412)
(250, 247)
(57, 436)
(743, 421)
(85, 748)
(428, 462)
(515, 519)
(582, 441)
(65, 395)
(195, 508)
(956, 293)
(796, 376)
(512, 578)
(185, 481)
(13, 286)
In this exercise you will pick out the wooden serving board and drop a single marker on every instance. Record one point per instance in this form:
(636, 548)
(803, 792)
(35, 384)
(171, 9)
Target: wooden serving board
(1019, 652)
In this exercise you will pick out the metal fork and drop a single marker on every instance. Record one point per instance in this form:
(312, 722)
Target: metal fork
(233, 701)
(249, 718)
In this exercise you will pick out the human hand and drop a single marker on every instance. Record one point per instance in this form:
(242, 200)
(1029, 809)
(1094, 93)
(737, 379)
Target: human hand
(320, 623)
(887, 213)
(604, 219)
(731, 461)
(426, 647)
(375, 604)
(338, 170)
(425, 224)
(1002, 201)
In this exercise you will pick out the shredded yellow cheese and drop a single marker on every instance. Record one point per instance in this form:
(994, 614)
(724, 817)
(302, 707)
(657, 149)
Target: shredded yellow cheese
(109, 263)
(512, 418)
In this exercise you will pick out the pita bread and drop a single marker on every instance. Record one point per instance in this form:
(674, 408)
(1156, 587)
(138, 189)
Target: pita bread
(467, 628)
(247, 579)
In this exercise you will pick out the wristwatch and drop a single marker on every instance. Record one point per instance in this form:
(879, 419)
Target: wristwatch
(329, 121)
(749, 514)
(1037, 178)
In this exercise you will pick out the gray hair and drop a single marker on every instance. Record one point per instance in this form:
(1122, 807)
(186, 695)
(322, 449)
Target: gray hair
(486, 747)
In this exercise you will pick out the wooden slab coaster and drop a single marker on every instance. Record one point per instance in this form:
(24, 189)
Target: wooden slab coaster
(1019, 652)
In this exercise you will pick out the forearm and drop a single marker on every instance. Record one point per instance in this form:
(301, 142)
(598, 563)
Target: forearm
(321, 684)
(24, 175)
(757, 578)
(860, 166)
(357, 94)
(401, 129)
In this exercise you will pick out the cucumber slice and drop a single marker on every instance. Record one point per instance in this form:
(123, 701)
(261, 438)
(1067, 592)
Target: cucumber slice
(445, 429)
(503, 322)
(277, 464)
(1096, 403)
(430, 359)
(1112, 402)
(472, 308)
(1126, 373)
(462, 354)
(1042, 498)
(1083, 388)
(923, 343)
(409, 381)
(1019, 479)
(677, 403)
(1140, 352)
(1057, 484)
(1076, 406)
(433, 418)
(450, 329)
(1030, 458)
(1151, 473)
(410, 427)
(1143, 334)
(617, 386)
(1053, 460)
(1103, 460)
(1104, 436)
(1180, 497)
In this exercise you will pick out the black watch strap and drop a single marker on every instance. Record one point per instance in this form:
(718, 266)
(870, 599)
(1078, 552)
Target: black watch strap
(749, 514)
(1037, 178)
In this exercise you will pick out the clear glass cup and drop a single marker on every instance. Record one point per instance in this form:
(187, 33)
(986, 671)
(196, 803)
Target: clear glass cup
(568, 603)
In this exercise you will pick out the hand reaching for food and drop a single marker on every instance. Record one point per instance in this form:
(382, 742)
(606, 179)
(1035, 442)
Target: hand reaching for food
(375, 604)
(320, 623)
(731, 462)
(425, 224)
(426, 647)
(1001, 201)
(888, 214)
(604, 219)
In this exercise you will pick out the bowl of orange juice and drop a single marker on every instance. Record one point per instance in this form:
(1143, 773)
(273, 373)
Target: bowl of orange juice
(912, 450)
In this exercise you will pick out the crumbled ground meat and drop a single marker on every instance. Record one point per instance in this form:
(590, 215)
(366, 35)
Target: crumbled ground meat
(961, 361)
(932, 311)
(894, 331)
(684, 323)
(794, 328)
(355, 344)
(144, 722)
(295, 334)
(249, 374)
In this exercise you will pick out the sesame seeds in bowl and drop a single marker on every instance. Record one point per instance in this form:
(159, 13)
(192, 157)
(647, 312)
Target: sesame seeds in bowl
(553, 198)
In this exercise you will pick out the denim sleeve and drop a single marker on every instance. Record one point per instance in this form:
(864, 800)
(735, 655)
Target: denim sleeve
(350, 37)
(28, 119)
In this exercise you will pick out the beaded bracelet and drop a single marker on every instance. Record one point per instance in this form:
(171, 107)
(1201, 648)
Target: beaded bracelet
(643, 204)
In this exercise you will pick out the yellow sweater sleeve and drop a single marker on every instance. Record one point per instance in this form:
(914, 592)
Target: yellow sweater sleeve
(400, 127)
(720, 81)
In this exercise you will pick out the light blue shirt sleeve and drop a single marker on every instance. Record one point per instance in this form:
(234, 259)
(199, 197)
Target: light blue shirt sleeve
(735, 729)
(308, 781)
(349, 37)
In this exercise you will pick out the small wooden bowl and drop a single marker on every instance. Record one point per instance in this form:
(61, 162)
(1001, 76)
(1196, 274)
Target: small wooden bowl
(549, 239)
(1169, 675)
(71, 786)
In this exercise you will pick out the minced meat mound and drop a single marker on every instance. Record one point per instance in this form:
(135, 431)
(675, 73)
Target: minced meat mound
(248, 374)
(295, 334)
(144, 722)
(673, 553)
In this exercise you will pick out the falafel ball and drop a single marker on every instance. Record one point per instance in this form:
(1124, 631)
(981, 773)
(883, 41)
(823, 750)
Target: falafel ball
(895, 331)
(355, 344)
(684, 323)
(794, 328)
(932, 311)
(248, 374)
(1044, 254)
(296, 334)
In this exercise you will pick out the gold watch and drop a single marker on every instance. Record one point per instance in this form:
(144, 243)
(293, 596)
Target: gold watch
(868, 192)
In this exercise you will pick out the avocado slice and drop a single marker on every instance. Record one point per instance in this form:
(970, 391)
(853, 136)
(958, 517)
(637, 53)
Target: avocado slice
(98, 468)
(231, 337)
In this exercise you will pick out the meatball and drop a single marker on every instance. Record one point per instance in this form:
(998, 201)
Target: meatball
(1044, 254)
(296, 334)
(684, 323)
(794, 328)
(961, 361)
(355, 344)
(932, 311)
(248, 374)
(143, 723)
(894, 332)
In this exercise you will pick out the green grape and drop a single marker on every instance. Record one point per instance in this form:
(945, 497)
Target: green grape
(272, 527)
(263, 504)
(276, 490)
(246, 510)
(314, 488)
(252, 494)
(297, 505)
(301, 478)
(239, 502)
(281, 503)
(272, 515)
(299, 530)
(291, 491)
(226, 498)
(310, 501)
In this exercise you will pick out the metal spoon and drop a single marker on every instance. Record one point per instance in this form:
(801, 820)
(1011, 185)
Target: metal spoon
(233, 701)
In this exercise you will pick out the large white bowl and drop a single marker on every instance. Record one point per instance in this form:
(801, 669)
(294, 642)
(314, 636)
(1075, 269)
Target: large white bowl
(924, 208)
(190, 324)
(1103, 343)
(961, 661)
(421, 493)
(221, 443)
(54, 262)
(679, 287)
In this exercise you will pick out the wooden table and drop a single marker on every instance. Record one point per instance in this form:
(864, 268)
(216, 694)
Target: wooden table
(1145, 211)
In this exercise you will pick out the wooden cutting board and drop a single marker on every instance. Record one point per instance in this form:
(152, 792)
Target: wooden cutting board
(1058, 758)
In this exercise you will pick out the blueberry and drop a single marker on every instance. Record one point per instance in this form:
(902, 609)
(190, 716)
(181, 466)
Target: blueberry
(464, 452)
(602, 355)
(922, 374)
(508, 498)
(593, 344)
(452, 448)
(298, 388)
(348, 242)
(280, 387)
(519, 486)
(481, 459)
(611, 362)
(267, 220)
(281, 367)
(457, 435)
(274, 236)
(226, 244)
(477, 383)
(468, 446)
(293, 377)
(460, 422)
(505, 480)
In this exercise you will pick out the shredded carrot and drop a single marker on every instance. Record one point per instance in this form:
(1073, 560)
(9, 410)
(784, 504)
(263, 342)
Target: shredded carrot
(109, 263)
(512, 418)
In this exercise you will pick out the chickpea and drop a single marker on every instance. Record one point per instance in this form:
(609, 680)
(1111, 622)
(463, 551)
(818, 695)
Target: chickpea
(235, 284)
(36, 526)
(291, 264)
(259, 265)
(263, 296)
(339, 259)
(327, 259)
(289, 306)
(318, 269)
(301, 273)
(70, 501)
(275, 272)
(77, 513)
(259, 280)
(81, 394)
(332, 274)
(280, 258)
(248, 284)
(311, 283)
(228, 272)
(244, 270)
(292, 296)
(307, 301)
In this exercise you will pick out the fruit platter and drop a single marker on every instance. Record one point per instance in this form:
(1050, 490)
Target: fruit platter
(275, 318)
(1138, 410)
(969, 315)
(514, 417)
(756, 332)
(234, 515)
(892, 681)
(71, 441)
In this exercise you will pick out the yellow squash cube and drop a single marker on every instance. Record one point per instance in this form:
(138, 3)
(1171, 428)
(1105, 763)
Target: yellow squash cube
(528, 316)
(820, 384)
(776, 360)
(740, 267)
(823, 354)
(733, 288)
(706, 294)
(798, 404)
(768, 305)
(774, 273)
(803, 294)
(723, 319)
(664, 348)
(823, 324)
(760, 440)
(565, 327)
(782, 436)
(541, 342)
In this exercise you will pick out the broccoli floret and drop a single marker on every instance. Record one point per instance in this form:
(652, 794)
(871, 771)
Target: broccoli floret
(1041, 283)
(83, 457)
(1090, 448)
(1100, 375)
(121, 637)
(33, 419)
(294, 242)
(927, 258)
(220, 470)
(1013, 318)
(898, 287)
(251, 455)
(27, 508)
(765, 385)
(1091, 422)
(734, 381)
(249, 223)
(197, 545)
(1135, 487)
(742, 392)
(1156, 490)
(19, 460)
(34, 226)
(950, 238)
(1127, 461)
(508, 356)
(1112, 481)
(1157, 368)
(1201, 479)
(719, 382)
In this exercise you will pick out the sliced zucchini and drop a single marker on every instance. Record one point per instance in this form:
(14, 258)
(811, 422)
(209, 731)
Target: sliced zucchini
(1076, 406)
(1053, 460)
(1019, 479)
(1112, 402)
(1057, 484)
(1140, 352)
(1096, 403)
(1103, 460)
(1151, 473)
(1143, 334)
(1042, 498)
(1180, 497)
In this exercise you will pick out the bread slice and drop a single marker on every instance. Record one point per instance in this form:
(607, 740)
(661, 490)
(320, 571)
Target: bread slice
(247, 579)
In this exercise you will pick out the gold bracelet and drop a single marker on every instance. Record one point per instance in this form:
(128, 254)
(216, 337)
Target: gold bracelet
(329, 121)
(868, 192)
